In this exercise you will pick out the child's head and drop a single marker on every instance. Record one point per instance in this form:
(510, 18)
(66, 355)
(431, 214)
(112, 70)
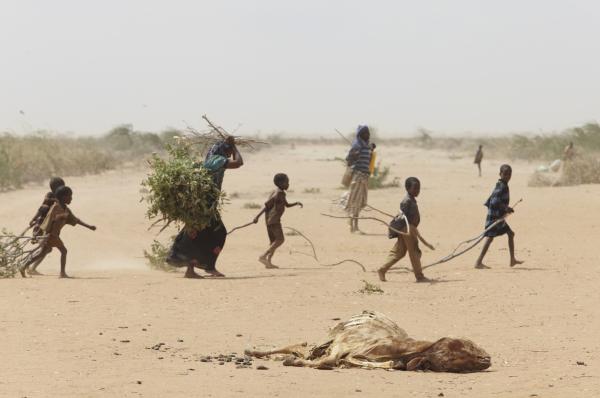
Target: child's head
(363, 133)
(413, 186)
(505, 172)
(64, 195)
(55, 183)
(480, 146)
(282, 181)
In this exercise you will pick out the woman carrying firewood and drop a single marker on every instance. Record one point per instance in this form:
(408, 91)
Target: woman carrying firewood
(201, 248)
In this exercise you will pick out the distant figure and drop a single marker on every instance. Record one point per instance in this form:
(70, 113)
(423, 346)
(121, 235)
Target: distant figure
(569, 152)
(498, 208)
(274, 208)
(359, 157)
(479, 158)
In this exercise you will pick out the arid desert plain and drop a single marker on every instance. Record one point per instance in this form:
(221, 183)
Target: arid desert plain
(92, 335)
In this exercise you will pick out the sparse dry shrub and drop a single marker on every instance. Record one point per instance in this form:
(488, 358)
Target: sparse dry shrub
(581, 170)
(157, 257)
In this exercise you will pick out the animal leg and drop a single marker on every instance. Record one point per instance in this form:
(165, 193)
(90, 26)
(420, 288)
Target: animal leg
(326, 363)
(297, 350)
(353, 361)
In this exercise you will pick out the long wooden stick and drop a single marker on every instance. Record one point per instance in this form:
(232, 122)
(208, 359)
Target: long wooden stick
(223, 134)
(241, 226)
(343, 136)
(374, 219)
(308, 240)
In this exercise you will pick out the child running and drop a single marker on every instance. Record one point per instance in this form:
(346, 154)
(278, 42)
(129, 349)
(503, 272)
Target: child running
(408, 242)
(274, 209)
(49, 200)
(58, 215)
(498, 208)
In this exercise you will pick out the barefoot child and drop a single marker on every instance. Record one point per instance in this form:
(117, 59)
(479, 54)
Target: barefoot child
(498, 208)
(408, 242)
(274, 209)
(58, 215)
(49, 200)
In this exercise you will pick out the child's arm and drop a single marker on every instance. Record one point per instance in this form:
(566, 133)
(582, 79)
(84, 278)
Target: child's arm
(294, 204)
(35, 218)
(264, 209)
(92, 227)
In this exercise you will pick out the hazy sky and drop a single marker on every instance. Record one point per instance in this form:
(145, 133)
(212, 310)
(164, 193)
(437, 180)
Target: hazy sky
(302, 67)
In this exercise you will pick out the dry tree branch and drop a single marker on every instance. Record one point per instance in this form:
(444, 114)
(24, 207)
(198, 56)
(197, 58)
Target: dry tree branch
(371, 218)
(343, 136)
(241, 226)
(308, 240)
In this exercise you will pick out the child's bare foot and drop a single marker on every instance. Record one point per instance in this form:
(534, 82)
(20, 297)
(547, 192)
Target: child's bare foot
(264, 261)
(192, 275)
(34, 272)
(215, 273)
(423, 279)
(271, 266)
(63, 275)
(514, 262)
(481, 266)
(381, 274)
(22, 271)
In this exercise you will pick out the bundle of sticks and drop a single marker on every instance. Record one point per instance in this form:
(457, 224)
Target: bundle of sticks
(215, 133)
(17, 251)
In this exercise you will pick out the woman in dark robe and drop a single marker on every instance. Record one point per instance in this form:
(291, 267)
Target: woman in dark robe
(201, 249)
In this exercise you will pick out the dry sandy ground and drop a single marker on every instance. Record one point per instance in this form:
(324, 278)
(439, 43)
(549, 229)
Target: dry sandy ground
(65, 337)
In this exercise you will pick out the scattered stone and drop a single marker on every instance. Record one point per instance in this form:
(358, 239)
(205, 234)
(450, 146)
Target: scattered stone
(139, 382)
(116, 353)
(125, 341)
(157, 346)
(161, 358)
(581, 363)
(123, 327)
(336, 319)
(221, 363)
(144, 329)
(441, 394)
(261, 367)
(357, 390)
(180, 340)
(238, 335)
(192, 369)
(100, 333)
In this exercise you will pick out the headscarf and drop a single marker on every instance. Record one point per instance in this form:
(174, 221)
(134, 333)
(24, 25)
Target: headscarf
(358, 140)
(219, 148)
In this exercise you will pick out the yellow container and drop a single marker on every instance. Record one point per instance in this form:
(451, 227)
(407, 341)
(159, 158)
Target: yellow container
(372, 163)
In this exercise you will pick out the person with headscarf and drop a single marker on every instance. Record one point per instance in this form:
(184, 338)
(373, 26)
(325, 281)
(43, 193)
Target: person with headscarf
(359, 159)
(202, 248)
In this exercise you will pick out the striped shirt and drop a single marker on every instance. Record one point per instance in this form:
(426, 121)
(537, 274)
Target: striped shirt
(363, 160)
